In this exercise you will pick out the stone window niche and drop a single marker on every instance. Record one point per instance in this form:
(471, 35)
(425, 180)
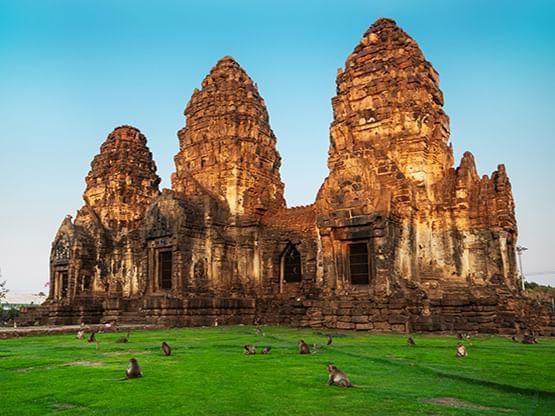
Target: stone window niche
(85, 282)
(291, 271)
(165, 267)
(64, 284)
(359, 263)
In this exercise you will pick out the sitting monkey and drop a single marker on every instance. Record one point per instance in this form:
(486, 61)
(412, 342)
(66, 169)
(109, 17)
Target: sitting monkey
(337, 377)
(167, 349)
(133, 371)
(461, 350)
(303, 347)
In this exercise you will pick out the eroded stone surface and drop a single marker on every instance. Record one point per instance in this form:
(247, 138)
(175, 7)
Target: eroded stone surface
(122, 181)
(398, 239)
(227, 146)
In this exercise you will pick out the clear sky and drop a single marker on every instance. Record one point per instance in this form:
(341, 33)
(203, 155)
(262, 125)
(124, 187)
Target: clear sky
(71, 71)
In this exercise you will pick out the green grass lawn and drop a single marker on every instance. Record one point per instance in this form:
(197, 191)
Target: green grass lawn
(208, 374)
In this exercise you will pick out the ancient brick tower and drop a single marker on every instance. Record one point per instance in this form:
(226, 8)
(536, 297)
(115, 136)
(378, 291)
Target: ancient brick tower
(390, 156)
(397, 239)
(227, 147)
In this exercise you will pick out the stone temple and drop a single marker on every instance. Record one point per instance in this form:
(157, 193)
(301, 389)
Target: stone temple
(398, 238)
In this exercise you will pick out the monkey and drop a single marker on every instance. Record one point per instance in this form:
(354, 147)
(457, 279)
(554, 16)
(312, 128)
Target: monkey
(123, 340)
(330, 339)
(410, 342)
(337, 377)
(92, 337)
(167, 349)
(266, 350)
(80, 334)
(529, 339)
(250, 349)
(303, 347)
(461, 350)
(133, 371)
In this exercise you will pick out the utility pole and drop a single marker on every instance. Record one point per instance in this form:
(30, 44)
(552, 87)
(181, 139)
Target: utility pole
(519, 251)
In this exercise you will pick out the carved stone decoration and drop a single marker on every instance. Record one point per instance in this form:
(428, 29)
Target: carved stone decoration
(122, 181)
(227, 147)
(61, 251)
(398, 238)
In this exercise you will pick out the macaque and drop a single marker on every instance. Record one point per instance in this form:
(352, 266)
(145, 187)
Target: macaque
(410, 342)
(461, 350)
(133, 371)
(330, 339)
(167, 349)
(337, 377)
(303, 347)
(123, 340)
(529, 339)
(250, 349)
(80, 334)
(266, 350)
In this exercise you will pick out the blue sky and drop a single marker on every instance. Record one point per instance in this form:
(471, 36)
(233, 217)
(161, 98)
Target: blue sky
(72, 71)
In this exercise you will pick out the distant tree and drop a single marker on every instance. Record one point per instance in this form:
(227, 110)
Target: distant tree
(3, 289)
(11, 314)
(544, 293)
(531, 285)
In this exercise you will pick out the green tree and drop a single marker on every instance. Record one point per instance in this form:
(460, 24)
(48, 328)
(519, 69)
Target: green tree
(3, 289)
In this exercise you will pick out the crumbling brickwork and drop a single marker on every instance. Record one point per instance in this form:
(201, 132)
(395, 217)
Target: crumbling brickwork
(398, 238)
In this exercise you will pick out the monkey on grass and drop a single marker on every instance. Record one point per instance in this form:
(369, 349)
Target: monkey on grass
(529, 339)
(337, 377)
(461, 350)
(303, 347)
(249, 349)
(167, 349)
(133, 371)
(123, 340)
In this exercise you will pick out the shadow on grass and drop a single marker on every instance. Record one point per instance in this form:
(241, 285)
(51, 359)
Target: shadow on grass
(457, 377)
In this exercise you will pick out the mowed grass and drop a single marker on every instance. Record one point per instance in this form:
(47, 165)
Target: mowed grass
(208, 374)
